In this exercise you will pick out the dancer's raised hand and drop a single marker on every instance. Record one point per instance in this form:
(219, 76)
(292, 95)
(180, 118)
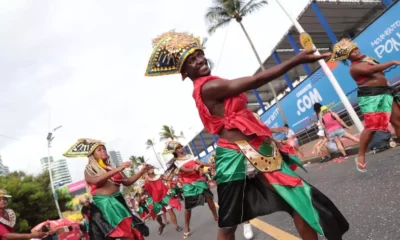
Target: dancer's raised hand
(125, 165)
(308, 56)
(146, 167)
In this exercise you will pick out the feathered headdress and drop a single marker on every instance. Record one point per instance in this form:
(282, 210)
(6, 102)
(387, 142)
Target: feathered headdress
(170, 51)
(171, 146)
(342, 49)
(84, 147)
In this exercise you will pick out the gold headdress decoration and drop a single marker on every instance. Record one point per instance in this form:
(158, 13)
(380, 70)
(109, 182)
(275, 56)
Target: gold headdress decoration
(170, 51)
(84, 147)
(342, 49)
(171, 146)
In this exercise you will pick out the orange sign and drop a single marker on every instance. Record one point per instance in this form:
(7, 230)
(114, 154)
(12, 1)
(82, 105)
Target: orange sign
(306, 41)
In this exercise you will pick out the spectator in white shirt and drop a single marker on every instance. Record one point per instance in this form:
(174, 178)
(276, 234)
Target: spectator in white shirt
(292, 140)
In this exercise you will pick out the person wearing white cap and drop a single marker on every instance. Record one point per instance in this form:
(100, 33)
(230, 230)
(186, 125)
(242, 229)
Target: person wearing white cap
(7, 221)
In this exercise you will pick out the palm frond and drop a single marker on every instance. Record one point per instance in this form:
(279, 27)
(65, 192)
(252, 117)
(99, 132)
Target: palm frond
(217, 14)
(230, 6)
(223, 3)
(251, 6)
(218, 25)
(141, 159)
(149, 143)
(167, 132)
(134, 160)
(238, 4)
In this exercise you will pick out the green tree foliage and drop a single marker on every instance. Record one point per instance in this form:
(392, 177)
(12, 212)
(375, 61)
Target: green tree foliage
(32, 199)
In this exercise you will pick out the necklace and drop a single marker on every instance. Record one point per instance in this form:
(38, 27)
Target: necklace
(10, 222)
(186, 157)
(369, 60)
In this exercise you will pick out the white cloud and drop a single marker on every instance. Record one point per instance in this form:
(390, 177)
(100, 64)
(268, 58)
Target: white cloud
(85, 60)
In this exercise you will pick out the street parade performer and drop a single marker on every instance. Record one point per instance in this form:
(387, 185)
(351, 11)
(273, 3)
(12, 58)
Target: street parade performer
(161, 200)
(8, 219)
(143, 209)
(110, 216)
(195, 188)
(175, 188)
(379, 102)
(222, 105)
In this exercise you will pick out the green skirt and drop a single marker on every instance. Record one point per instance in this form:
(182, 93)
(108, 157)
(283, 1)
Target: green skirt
(109, 216)
(376, 105)
(195, 194)
(242, 198)
(157, 207)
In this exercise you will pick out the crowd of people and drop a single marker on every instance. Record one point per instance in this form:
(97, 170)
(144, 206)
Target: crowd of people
(255, 174)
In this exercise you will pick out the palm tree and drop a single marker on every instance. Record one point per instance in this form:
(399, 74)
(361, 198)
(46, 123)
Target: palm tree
(221, 14)
(134, 160)
(150, 144)
(168, 132)
(141, 159)
(135, 163)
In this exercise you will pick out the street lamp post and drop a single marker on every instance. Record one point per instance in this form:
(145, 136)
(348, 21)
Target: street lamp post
(49, 140)
(330, 75)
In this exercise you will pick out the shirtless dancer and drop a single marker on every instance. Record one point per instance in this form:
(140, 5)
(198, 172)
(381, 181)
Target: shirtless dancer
(271, 186)
(379, 102)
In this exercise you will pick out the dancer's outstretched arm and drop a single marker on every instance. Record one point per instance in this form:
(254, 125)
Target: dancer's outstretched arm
(100, 180)
(189, 170)
(201, 163)
(278, 130)
(363, 69)
(25, 235)
(136, 177)
(219, 89)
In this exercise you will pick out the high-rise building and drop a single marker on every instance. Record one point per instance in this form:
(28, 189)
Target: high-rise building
(61, 175)
(45, 163)
(4, 170)
(115, 157)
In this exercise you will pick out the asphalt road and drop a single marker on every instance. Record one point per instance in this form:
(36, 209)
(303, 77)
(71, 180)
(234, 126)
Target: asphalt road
(369, 201)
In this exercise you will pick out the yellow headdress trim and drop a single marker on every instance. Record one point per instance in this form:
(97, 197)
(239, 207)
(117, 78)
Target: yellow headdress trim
(171, 146)
(84, 147)
(170, 51)
(342, 49)
(102, 164)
